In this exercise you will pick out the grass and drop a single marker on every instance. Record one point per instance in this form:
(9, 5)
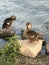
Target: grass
(10, 51)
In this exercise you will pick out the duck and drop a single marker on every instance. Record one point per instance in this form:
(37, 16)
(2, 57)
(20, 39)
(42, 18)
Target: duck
(8, 22)
(31, 34)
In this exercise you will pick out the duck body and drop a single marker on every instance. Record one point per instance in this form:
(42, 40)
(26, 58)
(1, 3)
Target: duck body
(31, 35)
(8, 22)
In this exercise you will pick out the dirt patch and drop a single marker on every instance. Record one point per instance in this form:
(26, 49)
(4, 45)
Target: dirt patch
(39, 60)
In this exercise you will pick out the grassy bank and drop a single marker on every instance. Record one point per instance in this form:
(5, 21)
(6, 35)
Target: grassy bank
(10, 55)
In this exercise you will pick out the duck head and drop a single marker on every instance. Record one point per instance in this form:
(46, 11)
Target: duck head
(13, 17)
(28, 25)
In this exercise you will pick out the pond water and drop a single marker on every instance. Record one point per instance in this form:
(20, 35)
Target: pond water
(35, 11)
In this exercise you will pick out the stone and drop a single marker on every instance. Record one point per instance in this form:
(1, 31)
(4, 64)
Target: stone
(30, 49)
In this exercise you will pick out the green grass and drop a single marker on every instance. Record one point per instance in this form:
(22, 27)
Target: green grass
(10, 51)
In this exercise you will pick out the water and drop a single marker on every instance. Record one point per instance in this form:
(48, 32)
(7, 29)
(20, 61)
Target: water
(35, 11)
